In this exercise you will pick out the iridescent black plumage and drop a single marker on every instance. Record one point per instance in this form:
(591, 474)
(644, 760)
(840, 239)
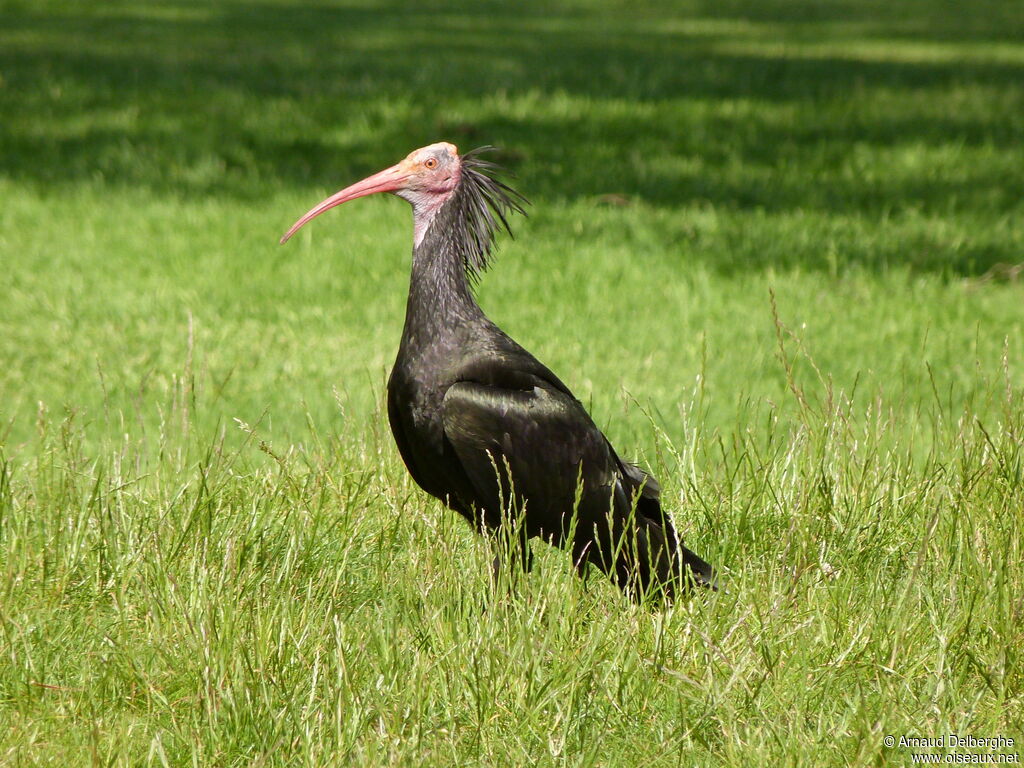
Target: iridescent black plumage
(485, 427)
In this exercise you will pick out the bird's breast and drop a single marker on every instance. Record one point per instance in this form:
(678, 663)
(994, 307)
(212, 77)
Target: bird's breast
(414, 410)
(416, 401)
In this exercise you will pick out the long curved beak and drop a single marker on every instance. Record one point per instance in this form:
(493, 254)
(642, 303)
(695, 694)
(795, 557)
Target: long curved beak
(389, 180)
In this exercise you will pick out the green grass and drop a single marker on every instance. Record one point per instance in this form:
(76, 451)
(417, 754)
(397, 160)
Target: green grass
(773, 246)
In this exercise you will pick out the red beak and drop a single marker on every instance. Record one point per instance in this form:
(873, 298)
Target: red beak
(389, 180)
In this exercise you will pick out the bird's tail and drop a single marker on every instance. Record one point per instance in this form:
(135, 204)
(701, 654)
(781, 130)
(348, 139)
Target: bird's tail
(660, 562)
(696, 569)
(638, 546)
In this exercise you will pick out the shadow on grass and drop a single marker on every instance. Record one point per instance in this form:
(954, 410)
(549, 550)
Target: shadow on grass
(854, 108)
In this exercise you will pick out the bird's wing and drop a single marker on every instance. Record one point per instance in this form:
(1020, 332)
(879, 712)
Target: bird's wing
(648, 493)
(536, 452)
(517, 372)
(534, 445)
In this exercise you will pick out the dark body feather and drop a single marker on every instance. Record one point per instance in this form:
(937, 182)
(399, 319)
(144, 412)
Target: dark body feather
(485, 427)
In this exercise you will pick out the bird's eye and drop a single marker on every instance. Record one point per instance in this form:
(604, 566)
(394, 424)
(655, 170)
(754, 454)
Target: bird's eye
(430, 163)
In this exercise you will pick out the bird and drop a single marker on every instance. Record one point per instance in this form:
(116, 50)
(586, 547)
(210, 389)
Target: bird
(484, 426)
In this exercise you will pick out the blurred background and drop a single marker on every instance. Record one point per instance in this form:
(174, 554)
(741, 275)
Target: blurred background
(861, 159)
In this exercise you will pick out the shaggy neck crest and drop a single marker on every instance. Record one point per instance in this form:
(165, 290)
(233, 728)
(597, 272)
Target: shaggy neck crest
(469, 220)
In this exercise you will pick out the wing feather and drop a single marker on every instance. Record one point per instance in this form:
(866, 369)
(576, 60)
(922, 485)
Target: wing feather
(528, 449)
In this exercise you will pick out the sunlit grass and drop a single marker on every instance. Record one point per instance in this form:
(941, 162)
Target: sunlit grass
(774, 247)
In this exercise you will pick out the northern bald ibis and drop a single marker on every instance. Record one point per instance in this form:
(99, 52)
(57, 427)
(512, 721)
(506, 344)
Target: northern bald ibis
(480, 422)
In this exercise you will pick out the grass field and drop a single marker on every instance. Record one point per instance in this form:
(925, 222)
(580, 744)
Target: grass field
(775, 246)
